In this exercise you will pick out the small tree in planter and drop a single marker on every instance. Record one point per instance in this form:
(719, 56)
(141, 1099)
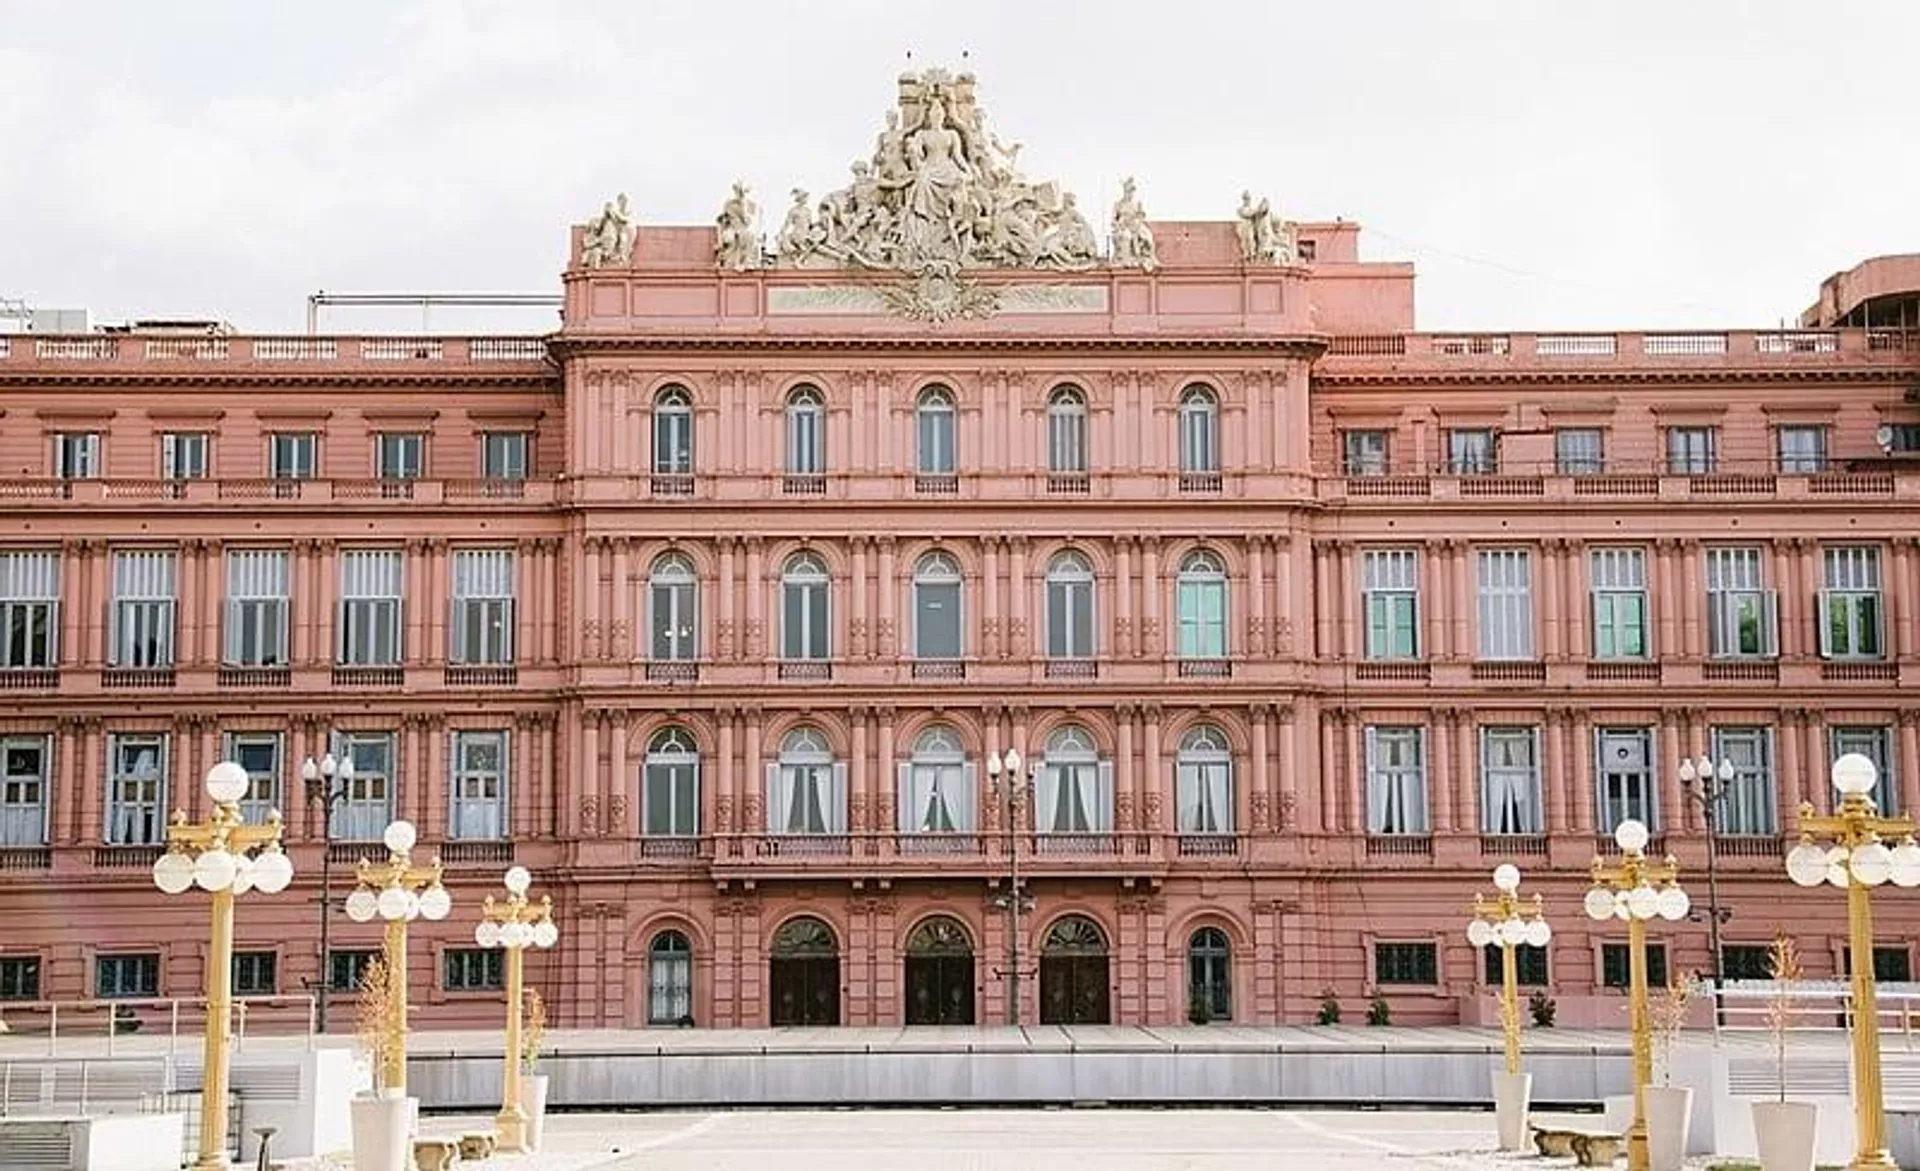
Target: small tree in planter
(1542, 1008)
(1783, 1131)
(1379, 1012)
(533, 1083)
(374, 1019)
(1329, 1008)
(1669, 1110)
(382, 1120)
(1199, 1008)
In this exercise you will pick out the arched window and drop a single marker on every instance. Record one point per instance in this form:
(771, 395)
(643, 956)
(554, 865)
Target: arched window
(1202, 606)
(673, 432)
(1067, 431)
(803, 974)
(1073, 973)
(670, 980)
(937, 785)
(807, 788)
(934, 440)
(936, 608)
(939, 971)
(805, 936)
(1199, 430)
(1075, 787)
(673, 609)
(1070, 607)
(1204, 782)
(670, 792)
(804, 593)
(806, 432)
(1209, 976)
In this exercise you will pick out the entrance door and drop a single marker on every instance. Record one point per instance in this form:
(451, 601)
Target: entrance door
(1073, 974)
(803, 975)
(939, 973)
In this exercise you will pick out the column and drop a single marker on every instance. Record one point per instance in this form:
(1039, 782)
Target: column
(726, 627)
(1810, 578)
(1666, 767)
(1259, 806)
(720, 802)
(1584, 800)
(548, 764)
(436, 786)
(1123, 623)
(1815, 789)
(99, 572)
(1152, 638)
(1323, 599)
(889, 759)
(622, 790)
(416, 603)
(990, 644)
(1466, 775)
(1557, 771)
(1286, 612)
(92, 784)
(546, 584)
(1902, 598)
(1148, 797)
(1693, 604)
(520, 782)
(1441, 771)
(586, 804)
(1354, 802)
(1553, 568)
(860, 629)
(885, 598)
(1347, 637)
(1126, 770)
(73, 601)
(1293, 807)
(66, 801)
(1256, 627)
(1434, 604)
(1791, 780)
(621, 641)
(1463, 602)
(755, 639)
(1328, 787)
(213, 587)
(753, 783)
(1020, 587)
(587, 633)
(1907, 763)
(864, 815)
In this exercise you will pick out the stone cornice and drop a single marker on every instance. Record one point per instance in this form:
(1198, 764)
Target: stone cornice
(1631, 376)
(587, 345)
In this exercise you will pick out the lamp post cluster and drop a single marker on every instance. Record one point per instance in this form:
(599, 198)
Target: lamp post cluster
(515, 925)
(327, 783)
(1857, 859)
(1014, 790)
(1511, 922)
(225, 857)
(399, 892)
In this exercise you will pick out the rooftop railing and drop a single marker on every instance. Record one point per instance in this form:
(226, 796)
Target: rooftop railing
(128, 349)
(1553, 349)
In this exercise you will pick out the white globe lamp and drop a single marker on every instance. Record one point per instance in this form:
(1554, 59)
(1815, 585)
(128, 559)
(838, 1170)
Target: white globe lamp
(1506, 877)
(1872, 864)
(1854, 773)
(435, 902)
(1906, 864)
(272, 872)
(362, 906)
(173, 873)
(545, 934)
(1480, 933)
(1674, 904)
(227, 782)
(487, 934)
(1632, 836)
(518, 880)
(1539, 933)
(400, 837)
(1807, 864)
(1599, 903)
(213, 870)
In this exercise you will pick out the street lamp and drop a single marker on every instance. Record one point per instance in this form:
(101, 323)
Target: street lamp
(1012, 789)
(1637, 889)
(327, 783)
(399, 892)
(1709, 786)
(514, 925)
(1510, 921)
(217, 856)
(1859, 860)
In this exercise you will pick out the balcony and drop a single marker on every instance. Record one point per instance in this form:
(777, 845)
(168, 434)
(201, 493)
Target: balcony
(673, 671)
(1205, 669)
(126, 857)
(1741, 670)
(803, 846)
(940, 669)
(1200, 482)
(386, 488)
(1623, 671)
(1513, 845)
(805, 670)
(144, 678)
(1393, 671)
(368, 676)
(669, 847)
(29, 678)
(1075, 844)
(489, 488)
(936, 484)
(671, 486)
(1606, 847)
(262, 677)
(938, 844)
(1509, 671)
(349, 853)
(1399, 846)
(804, 484)
(1068, 484)
(476, 853)
(480, 675)
(1208, 845)
(1072, 668)
(25, 858)
(1874, 671)
(1746, 846)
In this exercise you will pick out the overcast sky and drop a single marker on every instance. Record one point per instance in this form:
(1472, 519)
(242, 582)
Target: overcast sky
(1545, 164)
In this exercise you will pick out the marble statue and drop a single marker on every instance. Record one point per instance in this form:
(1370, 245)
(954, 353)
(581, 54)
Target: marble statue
(609, 236)
(738, 244)
(1132, 238)
(1263, 239)
(800, 236)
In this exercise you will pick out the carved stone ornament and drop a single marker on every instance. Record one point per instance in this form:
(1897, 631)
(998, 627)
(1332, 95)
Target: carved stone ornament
(609, 237)
(939, 294)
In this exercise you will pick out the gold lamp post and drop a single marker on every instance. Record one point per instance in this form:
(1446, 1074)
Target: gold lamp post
(515, 925)
(217, 856)
(399, 892)
(1858, 860)
(1637, 889)
(1510, 921)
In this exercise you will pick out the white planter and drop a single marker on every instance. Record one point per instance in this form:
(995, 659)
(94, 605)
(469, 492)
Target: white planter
(1616, 1113)
(383, 1132)
(1669, 1115)
(1512, 1093)
(533, 1103)
(1784, 1132)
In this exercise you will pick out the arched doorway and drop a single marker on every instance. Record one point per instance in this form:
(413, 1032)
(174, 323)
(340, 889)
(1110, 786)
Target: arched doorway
(803, 974)
(670, 980)
(1073, 974)
(939, 973)
(1209, 976)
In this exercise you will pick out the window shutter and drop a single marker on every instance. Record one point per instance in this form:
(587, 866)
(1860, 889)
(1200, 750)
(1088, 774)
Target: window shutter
(1421, 815)
(1375, 798)
(1823, 621)
(907, 804)
(778, 798)
(1220, 784)
(962, 805)
(1103, 796)
(837, 800)
(1046, 798)
(1770, 623)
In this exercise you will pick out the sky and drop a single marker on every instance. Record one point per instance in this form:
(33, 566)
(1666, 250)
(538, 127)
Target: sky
(1546, 165)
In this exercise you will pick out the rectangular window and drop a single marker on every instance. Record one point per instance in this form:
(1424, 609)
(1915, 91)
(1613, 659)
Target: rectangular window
(136, 790)
(1850, 610)
(1396, 781)
(126, 976)
(1204, 789)
(1623, 767)
(1530, 966)
(1619, 603)
(260, 753)
(1692, 451)
(400, 455)
(1364, 452)
(186, 455)
(1802, 450)
(479, 785)
(19, 977)
(1579, 451)
(26, 776)
(345, 969)
(1472, 451)
(1067, 433)
(76, 455)
(1743, 617)
(806, 795)
(293, 455)
(29, 610)
(1200, 597)
(1510, 781)
(1902, 438)
(482, 606)
(1391, 582)
(1506, 604)
(1074, 794)
(1876, 744)
(1892, 964)
(369, 804)
(804, 595)
(1749, 807)
(1406, 964)
(475, 969)
(936, 618)
(255, 972)
(1746, 961)
(670, 794)
(258, 595)
(503, 455)
(370, 586)
(143, 605)
(1615, 961)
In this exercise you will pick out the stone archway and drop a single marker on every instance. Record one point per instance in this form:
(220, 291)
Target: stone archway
(803, 974)
(1073, 974)
(939, 973)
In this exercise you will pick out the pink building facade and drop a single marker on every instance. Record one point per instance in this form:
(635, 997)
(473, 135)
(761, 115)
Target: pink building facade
(718, 607)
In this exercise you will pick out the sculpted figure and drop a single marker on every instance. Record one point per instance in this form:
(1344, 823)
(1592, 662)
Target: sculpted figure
(609, 236)
(1132, 238)
(890, 155)
(939, 172)
(798, 234)
(738, 245)
(1070, 242)
(1263, 239)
